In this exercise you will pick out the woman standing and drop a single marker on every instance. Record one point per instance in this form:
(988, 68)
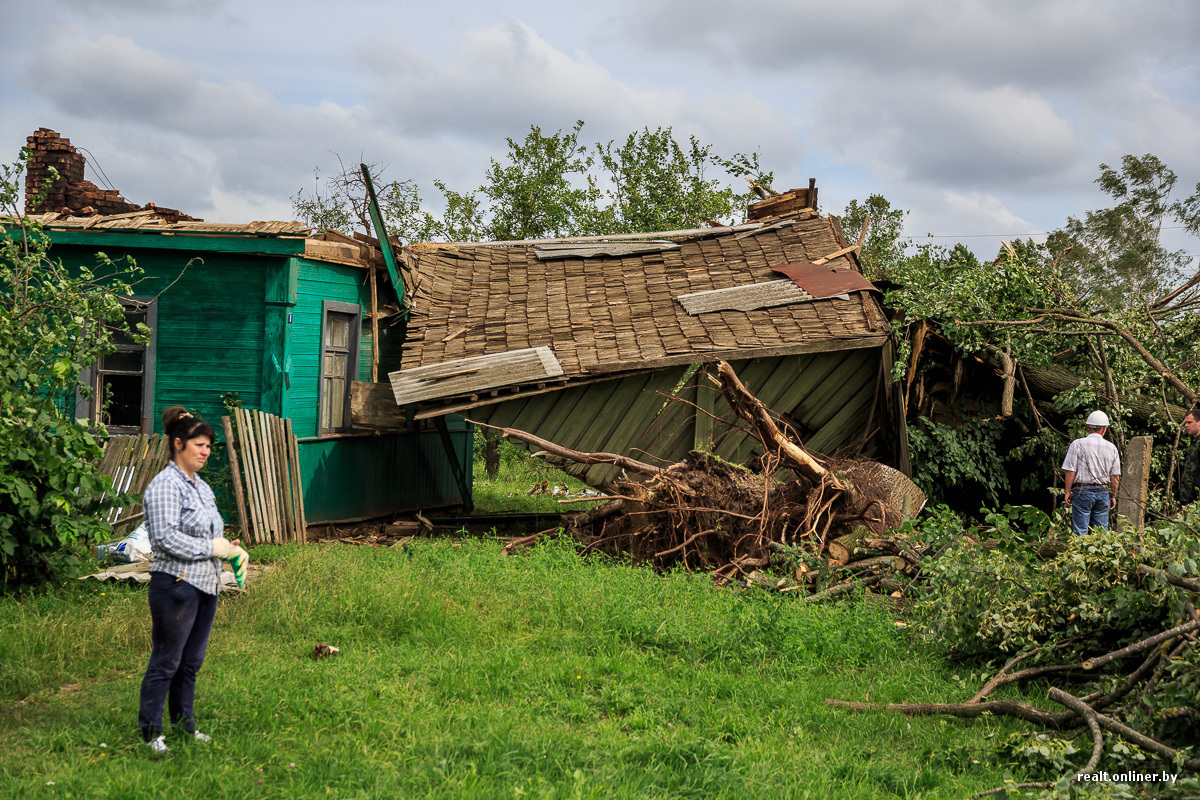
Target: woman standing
(187, 543)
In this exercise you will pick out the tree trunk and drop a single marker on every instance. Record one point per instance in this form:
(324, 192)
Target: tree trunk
(491, 452)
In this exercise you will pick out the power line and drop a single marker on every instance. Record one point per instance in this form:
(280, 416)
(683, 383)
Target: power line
(1011, 235)
(96, 166)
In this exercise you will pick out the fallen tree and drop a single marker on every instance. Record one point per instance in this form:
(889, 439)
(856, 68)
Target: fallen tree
(1108, 625)
(795, 513)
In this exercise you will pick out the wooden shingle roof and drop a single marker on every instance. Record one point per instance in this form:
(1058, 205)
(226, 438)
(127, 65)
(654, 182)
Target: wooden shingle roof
(610, 313)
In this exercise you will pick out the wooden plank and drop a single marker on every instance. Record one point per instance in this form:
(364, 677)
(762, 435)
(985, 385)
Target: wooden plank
(235, 473)
(704, 393)
(264, 454)
(111, 447)
(636, 420)
(245, 428)
(285, 480)
(251, 529)
(297, 483)
(851, 377)
(474, 374)
(373, 405)
(847, 420)
(562, 413)
(744, 298)
(614, 249)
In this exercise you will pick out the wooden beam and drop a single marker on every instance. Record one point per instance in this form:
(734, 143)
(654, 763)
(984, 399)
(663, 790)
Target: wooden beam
(744, 298)
(469, 375)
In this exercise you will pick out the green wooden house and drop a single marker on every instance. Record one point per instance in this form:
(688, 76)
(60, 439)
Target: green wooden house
(282, 321)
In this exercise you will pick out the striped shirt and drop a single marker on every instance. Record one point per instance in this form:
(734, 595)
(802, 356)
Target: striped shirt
(182, 518)
(1093, 459)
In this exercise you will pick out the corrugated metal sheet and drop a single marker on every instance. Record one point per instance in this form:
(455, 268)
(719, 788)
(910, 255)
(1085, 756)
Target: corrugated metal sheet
(827, 398)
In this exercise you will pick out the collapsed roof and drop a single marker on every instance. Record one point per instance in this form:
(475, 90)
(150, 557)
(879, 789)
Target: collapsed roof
(605, 305)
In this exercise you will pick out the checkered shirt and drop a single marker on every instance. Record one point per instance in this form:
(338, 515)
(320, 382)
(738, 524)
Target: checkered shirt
(182, 518)
(1093, 459)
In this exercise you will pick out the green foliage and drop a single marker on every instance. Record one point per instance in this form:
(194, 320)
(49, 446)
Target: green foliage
(977, 600)
(971, 302)
(53, 324)
(554, 185)
(883, 253)
(1040, 756)
(523, 483)
(963, 460)
(1116, 253)
(340, 204)
(658, 184)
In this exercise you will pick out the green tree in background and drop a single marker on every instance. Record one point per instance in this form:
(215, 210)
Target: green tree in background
(557, 185)
(1116, 253)
(53, 324)
(884, 250)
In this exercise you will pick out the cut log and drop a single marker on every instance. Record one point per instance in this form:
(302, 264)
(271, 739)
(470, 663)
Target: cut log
(842, 548)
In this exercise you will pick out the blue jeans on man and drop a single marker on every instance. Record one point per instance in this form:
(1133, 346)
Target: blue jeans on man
(1089, 508)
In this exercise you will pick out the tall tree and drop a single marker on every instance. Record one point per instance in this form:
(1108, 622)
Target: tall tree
(884, 250)
(1116, 253)
(556, 185)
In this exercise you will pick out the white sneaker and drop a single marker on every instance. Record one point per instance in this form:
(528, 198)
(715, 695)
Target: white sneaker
(202, 737)
(159, 745)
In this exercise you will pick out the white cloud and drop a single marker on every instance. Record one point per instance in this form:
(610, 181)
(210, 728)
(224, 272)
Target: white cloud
(945, 134)
(505, 77)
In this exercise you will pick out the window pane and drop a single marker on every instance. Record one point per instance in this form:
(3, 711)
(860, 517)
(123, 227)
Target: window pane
(121, 397)
(123, 361)
(325, 405)
(336, 398)
(338, 331)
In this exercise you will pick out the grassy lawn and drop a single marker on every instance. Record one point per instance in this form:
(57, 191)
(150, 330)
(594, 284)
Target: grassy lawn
(467, 674)
(523, 484)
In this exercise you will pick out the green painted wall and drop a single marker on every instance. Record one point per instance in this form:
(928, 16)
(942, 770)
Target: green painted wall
(251, 324)
(368, 476)
(210, 334)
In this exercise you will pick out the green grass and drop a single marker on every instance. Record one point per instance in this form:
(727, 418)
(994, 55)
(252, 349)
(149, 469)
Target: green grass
(468, 674)
(519, 473)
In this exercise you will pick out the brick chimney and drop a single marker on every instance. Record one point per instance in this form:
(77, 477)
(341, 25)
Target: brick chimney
(71, 194)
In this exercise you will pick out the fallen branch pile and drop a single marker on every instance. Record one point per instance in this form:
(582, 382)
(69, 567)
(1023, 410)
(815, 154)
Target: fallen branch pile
(827, 525)
(1128, 699)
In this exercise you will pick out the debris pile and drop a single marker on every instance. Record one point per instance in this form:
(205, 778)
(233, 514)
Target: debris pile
(824, 524)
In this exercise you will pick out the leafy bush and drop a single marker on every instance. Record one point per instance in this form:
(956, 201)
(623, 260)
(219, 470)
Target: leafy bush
(979, 600)
(53, 324)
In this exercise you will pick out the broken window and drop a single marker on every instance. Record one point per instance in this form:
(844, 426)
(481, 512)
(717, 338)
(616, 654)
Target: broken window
(340, 331)
(122, 382)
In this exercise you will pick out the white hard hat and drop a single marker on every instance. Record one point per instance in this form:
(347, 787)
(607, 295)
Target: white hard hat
(1097, 419)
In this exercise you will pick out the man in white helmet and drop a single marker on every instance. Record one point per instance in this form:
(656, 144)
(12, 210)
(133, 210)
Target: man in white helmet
(1093, 471)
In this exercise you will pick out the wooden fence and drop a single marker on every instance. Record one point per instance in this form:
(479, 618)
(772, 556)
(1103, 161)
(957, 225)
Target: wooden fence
(132, 462)
(265, 464)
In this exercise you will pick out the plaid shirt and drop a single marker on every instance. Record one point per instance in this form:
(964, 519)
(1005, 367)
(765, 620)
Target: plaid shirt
(1093, 459)
(182, 518)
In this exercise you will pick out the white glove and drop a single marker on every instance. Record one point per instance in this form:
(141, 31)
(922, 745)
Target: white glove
(222, 548)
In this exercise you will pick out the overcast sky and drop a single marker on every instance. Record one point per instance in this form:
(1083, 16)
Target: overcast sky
(984, 118)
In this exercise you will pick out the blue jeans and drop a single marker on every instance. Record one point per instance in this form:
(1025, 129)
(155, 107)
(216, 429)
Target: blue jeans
(1089, 508)
(181, 617)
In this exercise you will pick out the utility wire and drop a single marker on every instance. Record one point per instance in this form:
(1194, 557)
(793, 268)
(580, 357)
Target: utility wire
(99, 172)
(1009, 235)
